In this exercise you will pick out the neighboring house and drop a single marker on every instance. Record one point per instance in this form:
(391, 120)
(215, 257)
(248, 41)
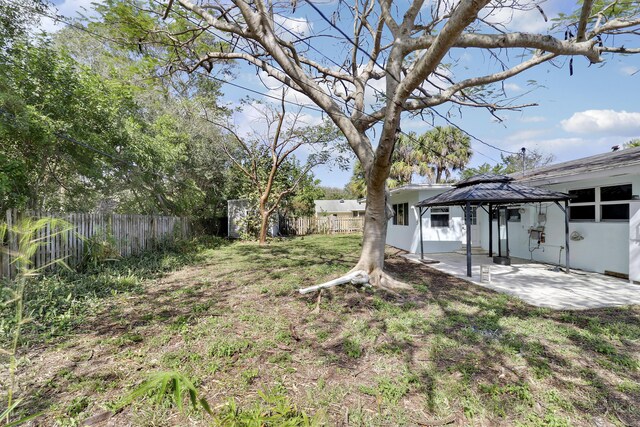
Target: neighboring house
(604, 217)
(340, 208)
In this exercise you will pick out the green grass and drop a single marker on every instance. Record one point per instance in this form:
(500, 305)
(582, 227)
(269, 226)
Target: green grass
(229, 318)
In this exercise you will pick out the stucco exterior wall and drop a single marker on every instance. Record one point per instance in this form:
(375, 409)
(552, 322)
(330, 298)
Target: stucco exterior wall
(605, 245)
(440, 239)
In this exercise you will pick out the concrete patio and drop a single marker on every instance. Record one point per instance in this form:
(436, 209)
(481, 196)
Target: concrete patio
(538, 284)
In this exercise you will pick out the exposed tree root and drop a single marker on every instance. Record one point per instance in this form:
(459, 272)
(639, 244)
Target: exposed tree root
(358, 276)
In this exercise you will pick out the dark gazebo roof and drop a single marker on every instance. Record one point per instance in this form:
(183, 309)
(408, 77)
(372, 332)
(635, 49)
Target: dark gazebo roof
(491, 188)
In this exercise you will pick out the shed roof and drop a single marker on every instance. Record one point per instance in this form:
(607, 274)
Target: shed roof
(600, 163)
(338, 206)
(491, 188)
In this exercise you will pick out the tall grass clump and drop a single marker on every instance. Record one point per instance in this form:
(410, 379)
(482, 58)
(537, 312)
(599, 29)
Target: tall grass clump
(26, 234)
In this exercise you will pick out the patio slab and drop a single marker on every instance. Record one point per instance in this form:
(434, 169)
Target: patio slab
(538, 284)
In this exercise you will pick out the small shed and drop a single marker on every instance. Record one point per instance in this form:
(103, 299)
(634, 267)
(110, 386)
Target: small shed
(493, 193)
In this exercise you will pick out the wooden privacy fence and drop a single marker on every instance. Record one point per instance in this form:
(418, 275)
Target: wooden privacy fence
(128, 235)
(321, 225)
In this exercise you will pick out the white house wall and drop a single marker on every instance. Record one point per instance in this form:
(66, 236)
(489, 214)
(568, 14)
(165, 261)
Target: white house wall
(440, 239)
(605, 245)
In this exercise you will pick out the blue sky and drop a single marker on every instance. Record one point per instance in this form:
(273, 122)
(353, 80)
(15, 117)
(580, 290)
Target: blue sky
(577, 116)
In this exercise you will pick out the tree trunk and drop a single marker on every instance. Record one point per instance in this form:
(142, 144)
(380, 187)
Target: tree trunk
(264, 222)
(375, 231)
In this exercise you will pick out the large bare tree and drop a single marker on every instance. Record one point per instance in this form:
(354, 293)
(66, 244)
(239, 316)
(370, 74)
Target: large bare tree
(401, 46)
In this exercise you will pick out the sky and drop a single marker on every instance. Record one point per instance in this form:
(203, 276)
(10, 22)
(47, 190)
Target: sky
(576, 115)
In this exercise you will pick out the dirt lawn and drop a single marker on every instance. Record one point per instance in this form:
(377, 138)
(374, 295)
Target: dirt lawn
(445, 353)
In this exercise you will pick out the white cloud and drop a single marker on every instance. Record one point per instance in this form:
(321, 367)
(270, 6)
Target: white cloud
(598, 121)
(629, 70)
(533, 119)
(528, 20)
(512, 87)
(527, 134)
(286, 25)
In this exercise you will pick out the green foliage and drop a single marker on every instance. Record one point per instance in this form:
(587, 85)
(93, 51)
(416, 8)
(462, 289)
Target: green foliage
(83, 126)
(511, 163)
(17, 17)
(228, 347)
(100, 248)
(449, 149)
(44, 94)
(61, 301)
(169, 386)
(498, 169)
(273, 409)
(434, 155)
(352, 348)
(533, 159)
(410, 158)
(334, 193)
(391, 390)
(357, 185)
(632, 143)
(27, 241)
(6, 414)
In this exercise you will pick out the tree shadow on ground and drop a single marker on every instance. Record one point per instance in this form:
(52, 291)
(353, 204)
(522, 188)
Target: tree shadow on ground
(444, 347)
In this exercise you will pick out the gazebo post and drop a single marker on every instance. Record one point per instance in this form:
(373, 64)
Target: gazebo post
(498, 223)
(421, 239)
(467, 215)
(490, 230)
(566, 232)
(506, 226)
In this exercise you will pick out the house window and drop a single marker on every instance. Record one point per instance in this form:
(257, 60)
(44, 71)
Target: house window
(440, 217)
(582, 205)
(610, 207)
(513, 215)
(600, 204)
(474, 215)
(401, 214)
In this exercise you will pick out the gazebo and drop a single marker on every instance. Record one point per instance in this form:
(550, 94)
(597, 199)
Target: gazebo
(493, 192)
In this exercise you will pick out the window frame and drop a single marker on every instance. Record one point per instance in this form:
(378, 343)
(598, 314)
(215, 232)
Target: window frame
(403, 209)
(517, 210)
(442, 211)
(613, 202)
(598, 203)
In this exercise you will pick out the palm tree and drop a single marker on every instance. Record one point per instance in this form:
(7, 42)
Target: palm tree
(632, 143)
(357, 186)
(408, 159)
(448, 148)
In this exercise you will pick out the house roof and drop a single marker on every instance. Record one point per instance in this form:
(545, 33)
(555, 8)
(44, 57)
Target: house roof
(490, 188)
(623, 161)
(411, 187)
(337, 206)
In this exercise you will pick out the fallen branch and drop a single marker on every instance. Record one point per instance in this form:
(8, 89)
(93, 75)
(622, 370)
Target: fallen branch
(358, 277)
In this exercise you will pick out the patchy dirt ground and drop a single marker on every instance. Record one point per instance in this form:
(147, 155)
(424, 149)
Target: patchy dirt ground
(445, 353)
